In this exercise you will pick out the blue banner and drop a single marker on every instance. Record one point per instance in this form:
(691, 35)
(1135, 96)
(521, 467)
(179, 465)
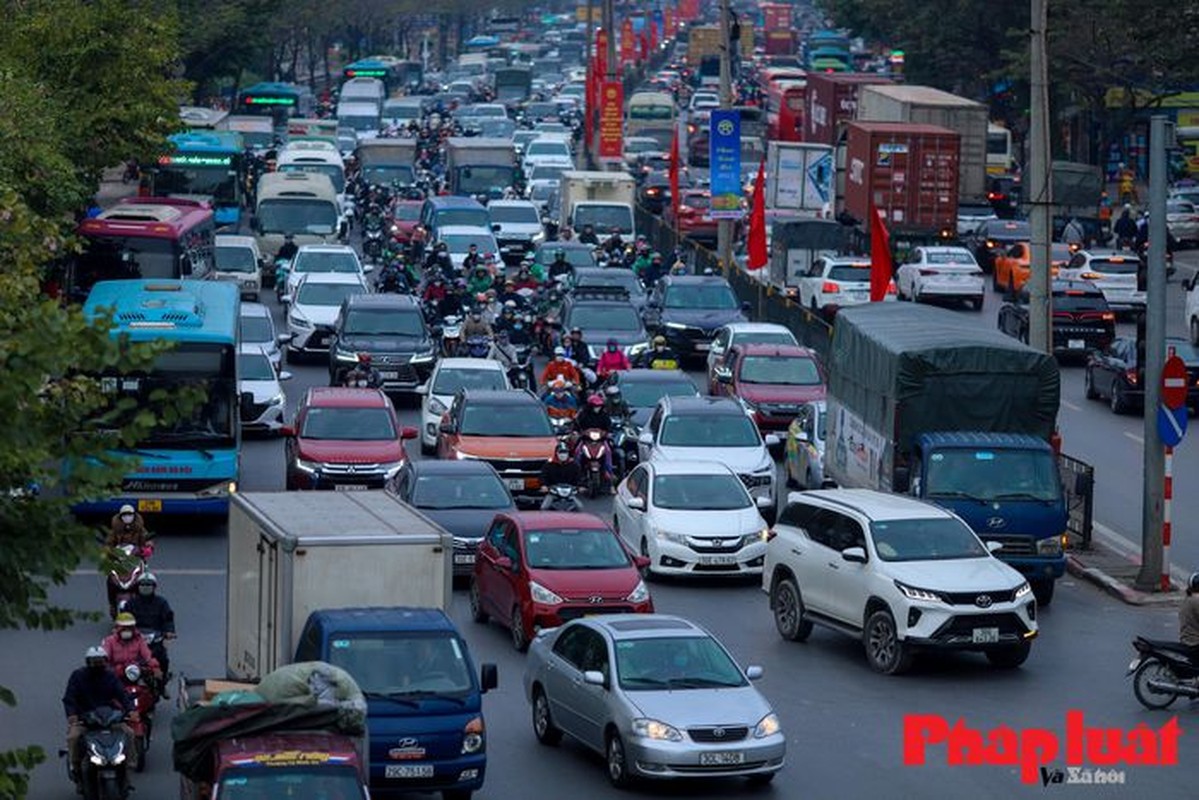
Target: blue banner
(724, 142)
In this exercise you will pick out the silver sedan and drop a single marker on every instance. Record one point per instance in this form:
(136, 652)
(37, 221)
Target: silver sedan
(657, 695)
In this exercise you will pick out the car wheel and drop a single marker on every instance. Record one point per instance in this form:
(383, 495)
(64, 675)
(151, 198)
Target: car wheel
(1043, 591)
(884, 650)
(1009, 657)
(520, 642)
(788, 477)
(788, 609)
(618, 768)
(543, 724)
(976, 303)
(1088, 384)
(456, 794)
(477, 613)
(1118, 401)
(643, 549)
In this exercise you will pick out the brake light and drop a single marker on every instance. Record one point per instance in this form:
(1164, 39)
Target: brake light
(891, 288)
(1090, 276)
(1062, 315)
(991, 245)
(1130, 375)
(830, 288)
(1108, 316)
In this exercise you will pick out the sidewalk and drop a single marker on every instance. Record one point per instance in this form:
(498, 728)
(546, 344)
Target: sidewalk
(1112, 563)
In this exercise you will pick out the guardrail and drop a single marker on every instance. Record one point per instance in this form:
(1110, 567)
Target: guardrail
(1078, 484)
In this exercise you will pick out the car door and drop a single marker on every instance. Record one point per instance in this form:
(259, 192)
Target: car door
(630, 523)
(814, 574)
(447, 442)
(563, 677)
(806, 420)
(590, 702)
(514, 587)
(731, 365)
(487, 572)
(802, 552)
(809, 285)
(848, 581)
(645, 451)
(1107, 362)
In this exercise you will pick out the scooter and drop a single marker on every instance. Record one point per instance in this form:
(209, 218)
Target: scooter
(478, 347)
(594, 450)
(282, 268)
(103, 772)
(136, 681)
(563, 497)
(128, 567)
(451, 335)
(1162, 672)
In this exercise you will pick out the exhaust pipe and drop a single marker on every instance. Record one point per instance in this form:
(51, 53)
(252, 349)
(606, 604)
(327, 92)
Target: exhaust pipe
(1169, 687)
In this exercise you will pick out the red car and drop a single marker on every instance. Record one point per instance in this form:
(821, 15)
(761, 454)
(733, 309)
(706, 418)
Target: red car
(772, 381)
(695, 214)
(406, 216)
(344, 439)
(539, 569)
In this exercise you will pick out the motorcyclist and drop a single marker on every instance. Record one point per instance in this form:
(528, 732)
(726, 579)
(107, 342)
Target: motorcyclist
(472, 259)
(154, 613)
(612, 360)
(615, 404)
(126, 645)
(91, 687)
(393, 278)
(561, 470)
(1125, 229)
(1188, 616)
(502, 350)
(435, 292)
(480, 280)
(576, 349)
(559, 267)
(519, 331)
(654, 271)
(475, 326)
(287, 251)
(452, 304)
(593, 416)
(588, 235)
(363, 374)
(126, 527)
(559, 402)
(641, 263)
(524, 278)
(614, 244)
(562, 368)
(507, 293)
(507, 318)
(661, 357)
(439, 260)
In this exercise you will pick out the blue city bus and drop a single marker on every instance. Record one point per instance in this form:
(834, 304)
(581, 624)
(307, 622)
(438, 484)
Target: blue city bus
(188, 467)
(204, 165)
(279, 101)
(372, 68)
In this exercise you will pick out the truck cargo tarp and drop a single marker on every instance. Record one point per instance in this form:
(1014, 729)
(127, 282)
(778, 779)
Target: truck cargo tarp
(810, 234)
(1076, 185)
(906, 369)
(312, 696)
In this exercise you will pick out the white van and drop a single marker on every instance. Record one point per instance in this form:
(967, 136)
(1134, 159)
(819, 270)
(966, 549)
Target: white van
(358, 90)
(319, 157)
(303, 204)
(364, 116)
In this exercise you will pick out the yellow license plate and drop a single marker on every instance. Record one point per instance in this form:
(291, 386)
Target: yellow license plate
(149, 506)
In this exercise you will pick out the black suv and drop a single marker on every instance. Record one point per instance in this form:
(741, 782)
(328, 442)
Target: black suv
(687, 310)
(392, 329)
(1082, 319)
(603, 313)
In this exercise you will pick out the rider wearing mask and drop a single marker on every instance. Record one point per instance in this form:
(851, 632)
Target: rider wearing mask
(475, 325)
(435, 292)
(91, 687)
(594, 415)
(560, 402)
(562, 470)
(473, 259)
(287, 251)
(615, 244)
(480, 281)
(661, 357)
(502, 350)
(1188, 616)
(615, 404)
(126, 527)
(560, 367)
(126, 645)
(576, 349)
(364, 374)
(612, 360)
(588, 235)
(559, 267)
(154, 613)
(524, 278)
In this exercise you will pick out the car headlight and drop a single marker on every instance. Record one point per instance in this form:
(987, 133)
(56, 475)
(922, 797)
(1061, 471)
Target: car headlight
(472, 736)
(422, 358)
(913, 593)
(277, 400)
(461, 456)
(298, 321)
(1051, 546)
(1022, 590)
(436, 406)
(653, 729)
(543, 595)
(767, 726)
(311, 467)
(538, 238)
(639, 594)
(761, 536)
(638, 349)
(345, 355)
(677, 326)
(671, 536)
(391, 468)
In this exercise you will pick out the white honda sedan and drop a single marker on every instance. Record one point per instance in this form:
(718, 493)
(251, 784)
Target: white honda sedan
(941, 275)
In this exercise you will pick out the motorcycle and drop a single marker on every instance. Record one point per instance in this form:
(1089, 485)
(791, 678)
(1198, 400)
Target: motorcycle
(129, 564)
(451, 335)
(282, 268)
(103, 773)
(1162, 672)
(372, 239)
(594, 449)
(157, 642)
(136, 680)
(563, 497)
(520, 374)
(478, 347)
(392, 281)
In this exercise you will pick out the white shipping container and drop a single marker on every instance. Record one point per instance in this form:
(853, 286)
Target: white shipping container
(800, 177)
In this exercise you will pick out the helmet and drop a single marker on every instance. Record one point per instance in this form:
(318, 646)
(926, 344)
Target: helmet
(559, 253)
(364, 358)
(655, 256)
(126, 509)
(558, 383)
(613, 391)
(562, 450)
(576, 330)
(659, 341)
(289, 237)
(1193, 582)
(148, 578)
(612, 342)
(95, 653)
(560, 350)
(595, 400)
(126, 620)
(509, 305)
(460, 283)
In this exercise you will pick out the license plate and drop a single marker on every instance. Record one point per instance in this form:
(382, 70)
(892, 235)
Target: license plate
(408, 771)
(322, 341)
(349, 487)
(149, 506)
(721, 759)
(464, 558)
(986, 635)
(730, 559)
(389, 375)
(702, 347)
(515, 483)
(1076, 344)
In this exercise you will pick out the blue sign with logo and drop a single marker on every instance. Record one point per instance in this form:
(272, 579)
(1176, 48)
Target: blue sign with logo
(1171, 424)
(724, 147)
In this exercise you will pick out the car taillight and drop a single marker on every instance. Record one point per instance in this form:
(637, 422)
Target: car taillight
(927, 272)
(1108, 316)
(1090, 276)
(653, 190)
(991, 245)
(891, 288)
(1130, 375)
(828, 287)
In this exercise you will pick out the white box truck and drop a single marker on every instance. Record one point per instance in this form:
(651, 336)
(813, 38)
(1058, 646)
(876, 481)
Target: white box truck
(603, 200)
(292, 553)
(800, 178)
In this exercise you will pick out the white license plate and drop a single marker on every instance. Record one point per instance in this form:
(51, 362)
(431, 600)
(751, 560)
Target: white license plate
(389, 375)
(702, 347)
(464, 558)
(322, 341)
(730, 559)
(408, 771)
(515, 483)
(721, 759)
(986, 635)
(1076, 344)
(349, 487)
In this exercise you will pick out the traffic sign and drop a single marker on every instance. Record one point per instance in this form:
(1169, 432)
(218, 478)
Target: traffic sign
(1174, 383)
(1171, 424)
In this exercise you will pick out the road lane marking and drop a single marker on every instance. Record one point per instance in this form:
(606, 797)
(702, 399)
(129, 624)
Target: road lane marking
(1131, 550)
(168, 571)
(1134, 437)
(1071, 406)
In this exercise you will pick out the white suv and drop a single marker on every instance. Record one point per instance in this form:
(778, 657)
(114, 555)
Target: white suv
(834, 282)
(901, 574)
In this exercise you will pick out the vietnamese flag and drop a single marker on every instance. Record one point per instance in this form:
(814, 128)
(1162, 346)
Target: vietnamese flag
(880, 256)
(674, 175)
(756, 246)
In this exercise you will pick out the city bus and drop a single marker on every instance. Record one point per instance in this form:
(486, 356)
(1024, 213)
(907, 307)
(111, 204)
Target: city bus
(144, 237)
(785, 110)
(278, 101)
(257, 133)
(187, 466)
(205, 165)
(303, 204)
(1000, 159)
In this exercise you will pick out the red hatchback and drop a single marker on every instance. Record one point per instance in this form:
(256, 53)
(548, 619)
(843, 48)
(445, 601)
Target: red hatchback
(406, 216)
(540, 569)
(772, 380)
(695, 215)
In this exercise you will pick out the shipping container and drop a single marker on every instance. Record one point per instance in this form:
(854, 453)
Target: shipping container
(928, 106)
(831, 101)
(799, 178)
(779, 43)
(908, 172)
(705, 41)
(776, 17)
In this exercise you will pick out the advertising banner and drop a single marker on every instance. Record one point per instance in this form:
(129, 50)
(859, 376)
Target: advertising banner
(611, 123)
(628, 42)
(724, 141)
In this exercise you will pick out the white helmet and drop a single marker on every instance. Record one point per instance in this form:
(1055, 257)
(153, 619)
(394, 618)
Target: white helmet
(126, 509)
(95, 652)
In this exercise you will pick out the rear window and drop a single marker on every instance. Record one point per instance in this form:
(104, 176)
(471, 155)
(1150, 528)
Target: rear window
(1079, 301)
(849, 273)
(1112, 266)
(1009, 231)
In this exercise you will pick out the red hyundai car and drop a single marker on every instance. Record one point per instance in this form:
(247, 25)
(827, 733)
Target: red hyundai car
(772, 381)
(406, 216)
(540, 569)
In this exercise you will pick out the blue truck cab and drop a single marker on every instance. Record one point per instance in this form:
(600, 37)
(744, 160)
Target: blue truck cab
(424, 698)
(1007, 488)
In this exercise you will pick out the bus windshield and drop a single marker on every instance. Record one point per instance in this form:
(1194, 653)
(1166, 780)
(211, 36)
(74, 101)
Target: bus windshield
(217, 182)
(480, 179)
(283, 782)
(296, 215)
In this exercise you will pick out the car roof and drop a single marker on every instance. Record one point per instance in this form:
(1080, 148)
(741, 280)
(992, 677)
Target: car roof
(326, 248)
(877, 506)
(463, 230)
(254, 310)
(653, 376)
(694, 280)
(252, 349)
(234, 240)
(453, 201)
(397, 302)
(756, 327)
(511, 204)
(332, 278)
(345, 397)
(703, 405)
(434, 466)
(499, 396)
(1062, 285)
(689, 467)
(385, 619)
(645, 626)
(991, 441)
(546, 520)
(788, 350)
(488, 364)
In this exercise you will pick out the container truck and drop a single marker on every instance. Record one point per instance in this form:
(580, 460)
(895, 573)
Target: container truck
(480, 167)
(513, 84)
(924, 401)
(831, 100)
(799, 178)
(387, 162)
(928, 106)
(603, 200)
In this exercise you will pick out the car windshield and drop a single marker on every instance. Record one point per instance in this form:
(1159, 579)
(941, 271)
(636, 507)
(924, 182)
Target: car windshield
(349, 424)
(786, 370)
(256, 783)
(622, 278)
(539, 147)
(709, 430)
(382, 174)
(992, 475)
(946, 257)
(460, 491)
(402, 664)
(521, 214)
(255, 330)
(634, 146)
(675, 663)
(235, 259)
(765, 337)
(574, 548)
(721, 491)
(548, 172)
(461, 242)
(451, 380)
(604, 317)
(327, 294)
(1017, 231)
(850, 273)
(297, 216)
(646, 394)
(930, 539)
(406, 212)
(575, 256)
(474, 217)
(697, 200)
(383, 322)
(696, 296)
(1179, 207)
(316, 261)
(519, 421)
(1113, 266)
(255, 367)
(604, 218)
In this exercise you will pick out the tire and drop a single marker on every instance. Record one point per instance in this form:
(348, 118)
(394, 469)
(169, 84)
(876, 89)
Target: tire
(140, 745)
(1118, 402)
(1153, 669)
(614, 758)
(477, 613)
(110, 789)
(787, 605)
(884, 651)
(1043, 591)
(543, 724)
(427, 450)
(1088, 383)
(520, 642)
(1009, 657)
(976, 303)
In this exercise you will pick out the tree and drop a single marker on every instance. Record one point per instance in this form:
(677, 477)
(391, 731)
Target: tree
(82, 85)
(225, 38)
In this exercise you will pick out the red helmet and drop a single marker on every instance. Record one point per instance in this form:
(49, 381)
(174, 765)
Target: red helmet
(364, 358)
(595, 400)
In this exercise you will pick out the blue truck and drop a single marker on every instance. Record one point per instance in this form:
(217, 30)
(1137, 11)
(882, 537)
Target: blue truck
(924, 401)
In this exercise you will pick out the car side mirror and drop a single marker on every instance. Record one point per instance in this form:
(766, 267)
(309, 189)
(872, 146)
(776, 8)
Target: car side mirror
(723, 374)
(422, 389)
(503, 562)
(284, 338)
(641, 562)
(646, 438)
(772, 440)
(746, 307)
(287, 430)
(593, 677)
(636, 503)
(762, 502)
(753, 672)
(902, 479)
(285, 376)
(855, 555)
(1189, 283)
(495, 227)
(409, 432)
(993, 547)
(916, 486)
(368, 268)
(489, 677)
(285, 299)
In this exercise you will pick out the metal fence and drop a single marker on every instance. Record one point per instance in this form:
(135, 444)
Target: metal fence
(1078, 482)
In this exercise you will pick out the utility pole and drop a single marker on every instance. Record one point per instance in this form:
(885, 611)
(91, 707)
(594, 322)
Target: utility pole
(1152, 513)
(1040, 186)
(724, 227)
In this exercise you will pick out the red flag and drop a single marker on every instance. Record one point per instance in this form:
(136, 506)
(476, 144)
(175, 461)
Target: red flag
(589, 106)
(674, 175)
(880, 256)
(644, 46)
(756, 246)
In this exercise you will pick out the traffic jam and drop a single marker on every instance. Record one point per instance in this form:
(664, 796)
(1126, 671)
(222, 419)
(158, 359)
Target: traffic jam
(595, 383)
